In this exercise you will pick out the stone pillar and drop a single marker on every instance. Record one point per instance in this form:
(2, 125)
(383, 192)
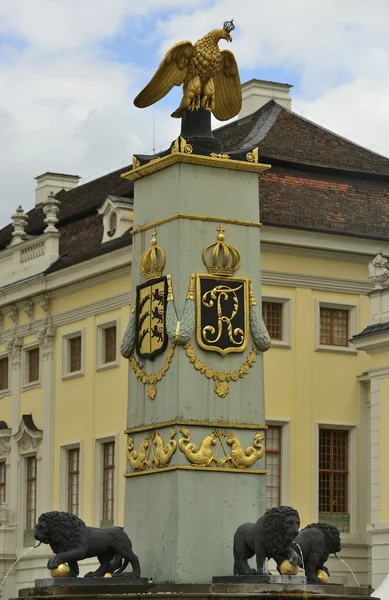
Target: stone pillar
(14, 346)
(182, 514)
(46, 338)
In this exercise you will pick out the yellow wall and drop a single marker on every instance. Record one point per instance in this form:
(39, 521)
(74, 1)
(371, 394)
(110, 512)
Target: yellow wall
(384, 443)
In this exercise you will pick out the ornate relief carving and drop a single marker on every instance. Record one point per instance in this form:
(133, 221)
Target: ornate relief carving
(212, 451)
(153, 453)
(28, 436)
(29, 309)
(46, 337)
(14, 347)
(45, 306)
(13, 314)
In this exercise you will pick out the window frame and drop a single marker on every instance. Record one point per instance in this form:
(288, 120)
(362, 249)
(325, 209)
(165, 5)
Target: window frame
(99, 478)
(76, 474)
(352, 470)
(7, 390)
(4, 484)
(352, 326)
(100, 345)
(26, 385)
(285, 466)
(286, 335)
(27, 480)
(66, 373)
(64, 486)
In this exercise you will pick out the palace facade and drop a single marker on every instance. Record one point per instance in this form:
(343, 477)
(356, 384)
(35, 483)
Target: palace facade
(65, 302)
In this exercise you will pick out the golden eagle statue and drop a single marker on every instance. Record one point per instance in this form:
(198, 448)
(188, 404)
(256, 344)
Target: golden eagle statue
(210, 77)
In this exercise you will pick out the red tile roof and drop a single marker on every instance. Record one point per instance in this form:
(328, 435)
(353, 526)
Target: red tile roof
(318, 180)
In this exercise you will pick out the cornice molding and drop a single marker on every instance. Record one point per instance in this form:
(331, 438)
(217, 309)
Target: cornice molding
(315, 244)
(331, 284)
(8, 336)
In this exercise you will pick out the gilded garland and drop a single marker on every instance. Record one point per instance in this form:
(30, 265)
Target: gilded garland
(151, 379)
(222, 378)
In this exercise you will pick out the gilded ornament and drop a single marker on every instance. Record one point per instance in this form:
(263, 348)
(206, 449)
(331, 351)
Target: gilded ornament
(222, 388)
(153, 453)
(152, 391)
(61, 571)
(322, 575)
(150, 379)
(135, 162)
(221, 258)
(163, 453)
(203, 456)
(138, 460)
(210, 77)
(212, 450)
(253, 156)
(153, 260)
(286, 568)
(240, 458)
(221, 377)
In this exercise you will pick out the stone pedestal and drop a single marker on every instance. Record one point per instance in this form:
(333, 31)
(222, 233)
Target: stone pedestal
(182, 517)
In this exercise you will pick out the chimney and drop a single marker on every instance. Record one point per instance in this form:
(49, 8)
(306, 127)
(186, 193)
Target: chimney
(256, 93)
(53, 182)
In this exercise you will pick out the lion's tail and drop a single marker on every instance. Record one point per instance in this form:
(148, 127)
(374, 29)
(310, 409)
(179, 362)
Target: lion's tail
(117, 566)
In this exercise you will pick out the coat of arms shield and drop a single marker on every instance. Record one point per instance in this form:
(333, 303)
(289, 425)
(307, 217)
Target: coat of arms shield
(151, 298)
(222, 314)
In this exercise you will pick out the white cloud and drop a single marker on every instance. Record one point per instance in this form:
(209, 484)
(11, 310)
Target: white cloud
(66, 105)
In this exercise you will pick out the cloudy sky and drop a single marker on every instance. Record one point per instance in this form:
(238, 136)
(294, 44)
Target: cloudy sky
(69, 70)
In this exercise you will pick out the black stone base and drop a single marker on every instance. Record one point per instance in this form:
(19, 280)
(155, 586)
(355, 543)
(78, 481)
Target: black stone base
(122, 588)
(89, 581)
(237, 579)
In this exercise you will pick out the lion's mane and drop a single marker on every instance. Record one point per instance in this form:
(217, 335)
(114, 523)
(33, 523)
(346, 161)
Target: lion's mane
(64, 530)
(331, 536)
(279, 529)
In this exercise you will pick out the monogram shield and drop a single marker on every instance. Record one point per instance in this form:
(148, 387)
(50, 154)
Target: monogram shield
(222, 314)
(151, 337)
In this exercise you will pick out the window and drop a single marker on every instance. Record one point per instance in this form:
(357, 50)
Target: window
(30, 492)
(273, 466)
(108, 449)
(31, 366)
(277, 317)
(4, 371)
(334, 326)
(107, 351)
(3, 483)
(272, 315)
(73, 456)
(334, 477)
(109, 334)
(73, 354)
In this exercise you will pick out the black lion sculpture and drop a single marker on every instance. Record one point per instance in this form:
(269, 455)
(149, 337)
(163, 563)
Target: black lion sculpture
(270, 537)
(71, 540)
(317, 541)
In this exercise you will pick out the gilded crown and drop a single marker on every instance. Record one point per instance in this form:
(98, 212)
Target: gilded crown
(221, 258)
(229, 26)
(153, 260)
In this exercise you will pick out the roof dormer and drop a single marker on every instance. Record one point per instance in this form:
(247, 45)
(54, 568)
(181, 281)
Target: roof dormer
(118, 216)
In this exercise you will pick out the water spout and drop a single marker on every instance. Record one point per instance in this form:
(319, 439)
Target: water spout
(301, 555)
(16, 561)
(349, 568)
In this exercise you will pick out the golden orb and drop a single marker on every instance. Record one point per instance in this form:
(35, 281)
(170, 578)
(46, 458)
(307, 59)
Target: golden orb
(322, 575)
(108, 575)
(287, 568)
(61, 571)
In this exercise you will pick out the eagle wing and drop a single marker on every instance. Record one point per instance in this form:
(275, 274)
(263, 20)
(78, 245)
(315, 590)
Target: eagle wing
(228, 91)
(171, 72)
